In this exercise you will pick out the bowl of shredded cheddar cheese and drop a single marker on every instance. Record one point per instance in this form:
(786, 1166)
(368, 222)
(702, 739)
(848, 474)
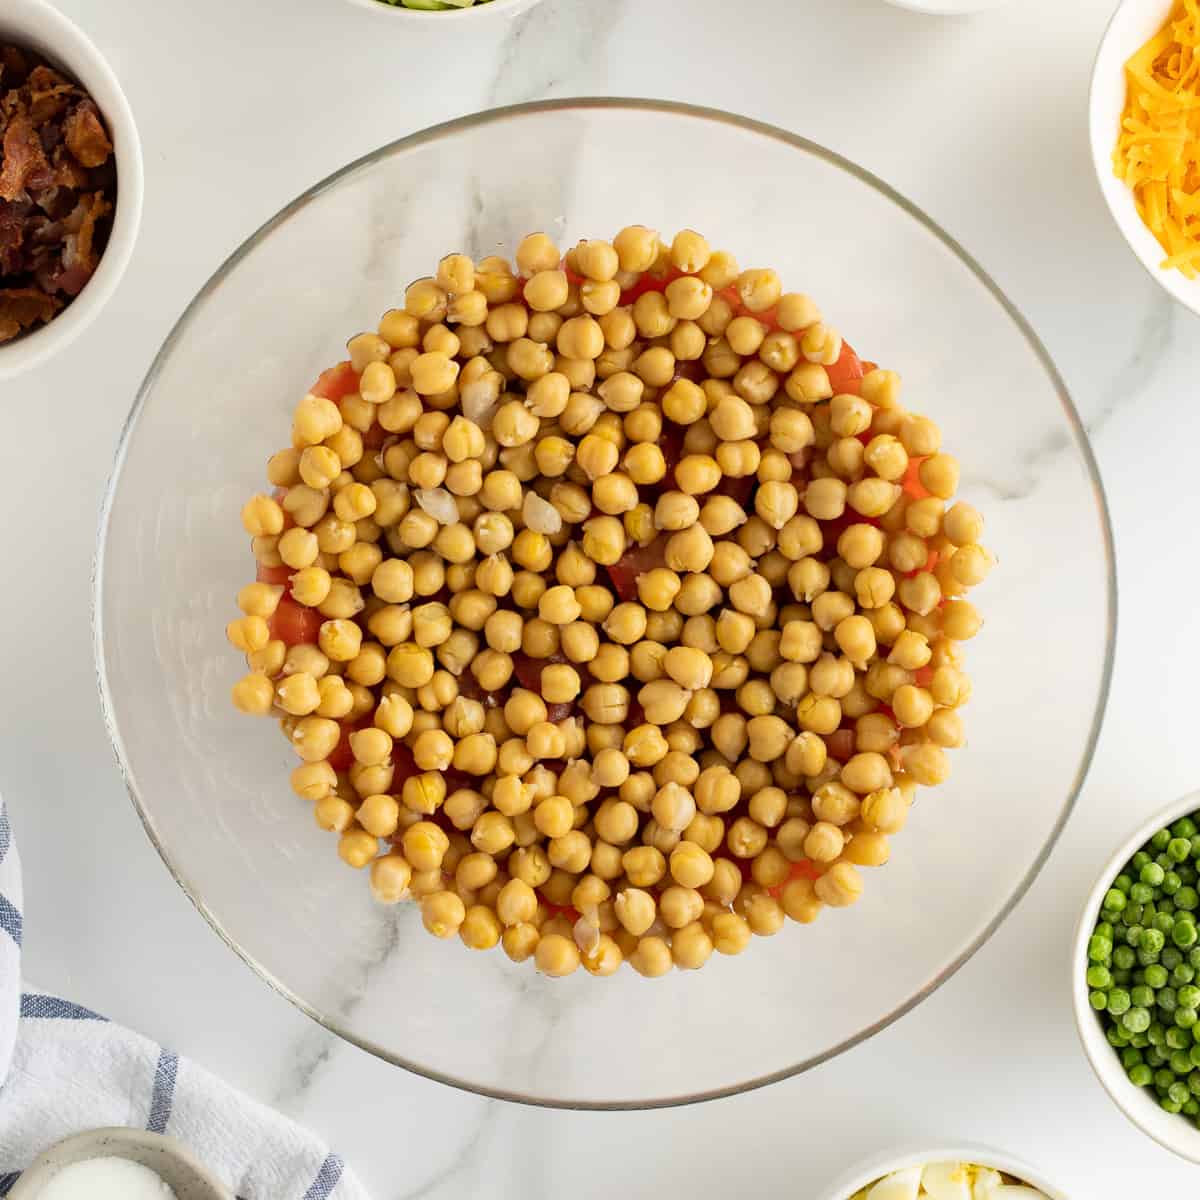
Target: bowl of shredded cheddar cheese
(1144, 125)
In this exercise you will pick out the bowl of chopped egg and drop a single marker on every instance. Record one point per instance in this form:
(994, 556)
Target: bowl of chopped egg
(1144, 127)
(508, 541)
(962, 1173)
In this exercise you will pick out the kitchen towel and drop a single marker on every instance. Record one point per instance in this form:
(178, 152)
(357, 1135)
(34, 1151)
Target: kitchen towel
(65, 1069)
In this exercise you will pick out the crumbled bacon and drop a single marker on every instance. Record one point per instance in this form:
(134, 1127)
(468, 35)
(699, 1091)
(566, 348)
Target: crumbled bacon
(57, 190)
(22, 307)
(86, 136)
(24, 157)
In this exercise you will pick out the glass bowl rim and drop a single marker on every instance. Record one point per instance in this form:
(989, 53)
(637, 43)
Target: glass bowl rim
(787, 140)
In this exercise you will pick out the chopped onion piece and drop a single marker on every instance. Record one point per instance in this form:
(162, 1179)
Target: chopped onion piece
(439, 504)
(540, 515)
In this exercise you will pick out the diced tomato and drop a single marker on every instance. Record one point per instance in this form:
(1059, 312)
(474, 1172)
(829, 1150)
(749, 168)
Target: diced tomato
(280, 574)
(912, 480)
(636, 561)
(649, 283)
(529, 670)
(846, 374)
(804, 869)
(560, 910)
(342, 757)
(293, 624)
(924, 676)
(336, 383)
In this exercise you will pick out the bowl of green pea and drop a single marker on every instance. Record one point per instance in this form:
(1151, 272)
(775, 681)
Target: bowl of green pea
(1136, 977)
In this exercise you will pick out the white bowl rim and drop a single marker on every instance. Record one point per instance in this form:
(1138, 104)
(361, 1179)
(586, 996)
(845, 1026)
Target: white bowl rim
(494, 8)
(115, 1142)
(794, 142)
(947, 8)
(40, 21)
(1118, 198)
(1100, 1055)
(897, 1160)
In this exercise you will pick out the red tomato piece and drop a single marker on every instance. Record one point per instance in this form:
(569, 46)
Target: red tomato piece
(671, 445)
(279, 574)
(924, 676)
(912, 480)
(293, 624)
(846, 374)
(560, 910)
(649, 283)
(804, 869)
(342, 756)
(336, 383)
(635, 562)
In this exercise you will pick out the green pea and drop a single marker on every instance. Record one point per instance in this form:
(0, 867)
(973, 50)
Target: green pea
(1178, 1091)
(1194, 1055)
(1139, 1041)
(1193, 958)
(1123, 957)
(1187, 898)
(1141, 1075)
(1123, 883)
(1142, 997)
(1114, 901)
(1152, 941)
(1163, 1078)
(1179, 849)
(1171, 884)
(1157, 1034)
(1166, 907)
(1164, 923)
(1188, 996)
(1181, 975)
(1138, 861)
(1193, 1082)
(1187, 872)
(1191, 1108)
(1142, 893)
(1122, 977)
(1151, 875)
(1185, 827)
(1153, 1055)
(1118, 1001)
(1136, 1020)
(1184, 934)
(1116, 1036)
(1195, 840)
(1171, 958)
(1130, 1057)
(1185, 1018)
(1162, 860)
(1160, 839)
(1156, 976)
(1177, 1038)
(1098, 1000)
(1170, 1106)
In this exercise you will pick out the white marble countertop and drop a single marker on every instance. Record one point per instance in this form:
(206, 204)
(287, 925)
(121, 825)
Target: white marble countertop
(981, 121)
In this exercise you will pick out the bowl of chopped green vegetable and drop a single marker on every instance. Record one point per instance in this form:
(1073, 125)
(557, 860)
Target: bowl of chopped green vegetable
(429, 14)
(1135, 976)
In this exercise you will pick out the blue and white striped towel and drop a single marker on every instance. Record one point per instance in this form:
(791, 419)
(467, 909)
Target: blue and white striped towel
(64, 1069)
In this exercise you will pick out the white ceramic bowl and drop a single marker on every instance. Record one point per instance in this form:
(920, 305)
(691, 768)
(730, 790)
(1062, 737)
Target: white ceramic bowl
(946, 8)
(1174, 1132)
(415, 19)
(1132, 25)
(171, 1160)
(984, 1156)
(35, 24)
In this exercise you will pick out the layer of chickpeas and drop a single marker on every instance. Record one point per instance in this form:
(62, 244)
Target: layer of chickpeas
(603, 706)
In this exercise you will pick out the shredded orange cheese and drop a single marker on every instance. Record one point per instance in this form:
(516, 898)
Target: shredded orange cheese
(1158, 150)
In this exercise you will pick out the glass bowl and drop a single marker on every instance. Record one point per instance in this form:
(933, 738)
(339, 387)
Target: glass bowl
(211, 786)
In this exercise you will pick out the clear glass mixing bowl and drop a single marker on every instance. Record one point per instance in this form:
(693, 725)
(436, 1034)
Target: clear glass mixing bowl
(211, 785)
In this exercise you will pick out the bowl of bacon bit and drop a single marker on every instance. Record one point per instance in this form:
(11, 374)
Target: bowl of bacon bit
(70, 183)
(1144, 125)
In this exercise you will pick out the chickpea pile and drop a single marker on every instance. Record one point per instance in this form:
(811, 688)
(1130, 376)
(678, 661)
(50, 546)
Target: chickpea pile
(613, 607)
